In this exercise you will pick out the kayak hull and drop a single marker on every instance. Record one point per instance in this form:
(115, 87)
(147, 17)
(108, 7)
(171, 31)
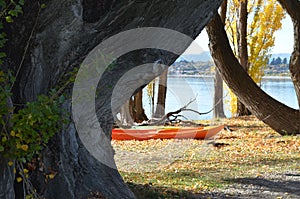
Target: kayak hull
(166, 133)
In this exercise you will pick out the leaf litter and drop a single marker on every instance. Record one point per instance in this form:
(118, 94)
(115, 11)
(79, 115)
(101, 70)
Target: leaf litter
(217, 168)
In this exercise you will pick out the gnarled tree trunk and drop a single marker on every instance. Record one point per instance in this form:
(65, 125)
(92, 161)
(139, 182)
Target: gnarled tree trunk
(293, 9)
(278, 116)
(44, 45)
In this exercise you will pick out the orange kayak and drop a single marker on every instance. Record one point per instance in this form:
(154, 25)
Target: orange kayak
(161, 132)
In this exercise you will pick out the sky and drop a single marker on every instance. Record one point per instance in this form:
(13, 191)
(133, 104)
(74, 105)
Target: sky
(283, 38)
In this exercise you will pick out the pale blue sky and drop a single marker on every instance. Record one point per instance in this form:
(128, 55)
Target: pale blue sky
(284, 38)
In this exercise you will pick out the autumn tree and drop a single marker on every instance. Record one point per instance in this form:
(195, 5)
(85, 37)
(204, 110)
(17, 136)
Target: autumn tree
(252, 37)
(266, 21)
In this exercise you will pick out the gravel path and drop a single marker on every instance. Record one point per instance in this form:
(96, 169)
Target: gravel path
(272, 186)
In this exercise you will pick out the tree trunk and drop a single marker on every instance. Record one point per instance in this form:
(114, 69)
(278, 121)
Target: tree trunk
(153, 99)
(218, 96)
(161, 95)
(242, 49)
(278, 116)
(125, 114)
(293, 9)
(7, 175)
(218, 81)
(242, 39)
(295, 59)
(45, 45)
(138, 110)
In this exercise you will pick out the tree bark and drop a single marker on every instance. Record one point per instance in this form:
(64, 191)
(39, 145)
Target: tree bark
(218, 81)
(7, 175)
(293, 9)
(161, 95)
(7, 178)
(45, 45)
(218, 96)
(125, 114)
(278, 116)
(242, 39)
(138, 110)
(243, 49)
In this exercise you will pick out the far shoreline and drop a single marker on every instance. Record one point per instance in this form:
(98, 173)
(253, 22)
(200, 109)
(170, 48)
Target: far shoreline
(271, 77)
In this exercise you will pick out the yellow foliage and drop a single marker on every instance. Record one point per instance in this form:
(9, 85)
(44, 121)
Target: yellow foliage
(150, 89)
(12, 133)
(51, 176)
(264, 19)
(24, 147)
(4, 139)
(19, 179)
(10, 163)
(232, 101)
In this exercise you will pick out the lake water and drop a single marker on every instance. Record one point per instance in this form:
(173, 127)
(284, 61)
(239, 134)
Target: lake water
(181, 90)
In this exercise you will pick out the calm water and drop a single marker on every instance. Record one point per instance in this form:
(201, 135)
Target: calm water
(181, 90)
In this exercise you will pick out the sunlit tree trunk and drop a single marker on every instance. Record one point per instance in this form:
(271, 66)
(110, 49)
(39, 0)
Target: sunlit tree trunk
(293, 9)
(278, 116)
(137, 109)
(153, 99)
(218, 81)
(161, 95)
(242, 49)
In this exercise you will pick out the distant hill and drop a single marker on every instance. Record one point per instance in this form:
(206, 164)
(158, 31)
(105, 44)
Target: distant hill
(201, 64)
(203, 56)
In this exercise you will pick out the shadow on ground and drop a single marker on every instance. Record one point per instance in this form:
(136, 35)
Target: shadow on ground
(287, 186)
(259, 188)
(148, 191)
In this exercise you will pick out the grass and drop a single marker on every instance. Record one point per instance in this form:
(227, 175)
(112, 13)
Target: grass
(185, 168)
